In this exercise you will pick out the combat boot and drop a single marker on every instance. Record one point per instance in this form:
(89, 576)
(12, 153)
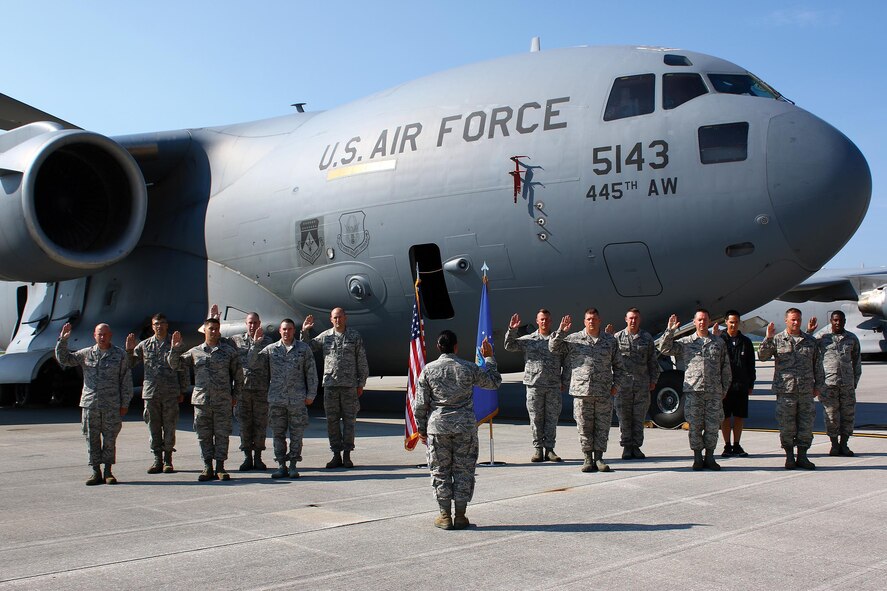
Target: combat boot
(599, 462)
(247, 464)
(208, 472)
(628, 452)
(445, 519)
(346, 459)
(845, 451)
(167, 463)
(637, 454)
(109, 478)
(221, 473)
(293, 472)
(551, 456)
(157, 466)
(698, 462)
(258, 464)
(281, 471)
(790, 463)
(836, 447)
(96, 477)
(802, 461)
(709, 461)
(537, 456)
(336, 462)
(589, 465)
(460, 521)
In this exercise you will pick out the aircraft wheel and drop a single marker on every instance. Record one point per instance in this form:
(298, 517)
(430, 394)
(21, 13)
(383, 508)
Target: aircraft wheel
(667, 400)
(22, 394)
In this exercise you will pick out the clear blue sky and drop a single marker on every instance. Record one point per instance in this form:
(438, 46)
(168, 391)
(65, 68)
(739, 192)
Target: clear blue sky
(127, 67)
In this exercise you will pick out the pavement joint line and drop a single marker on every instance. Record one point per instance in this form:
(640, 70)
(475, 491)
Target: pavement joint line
(861, 571)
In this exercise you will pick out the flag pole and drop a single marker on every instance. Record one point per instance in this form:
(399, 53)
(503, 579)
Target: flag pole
(492, 462)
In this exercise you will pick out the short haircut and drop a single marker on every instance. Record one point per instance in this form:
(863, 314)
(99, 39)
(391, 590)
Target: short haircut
(792, 311)
(209, 321)
(731, 312)
(592, 311)
(635, 310)
(446, 341)
(543, 311)
(256, 314)
(287, 321)
(159, 318)
(703, 310)
(839, 313)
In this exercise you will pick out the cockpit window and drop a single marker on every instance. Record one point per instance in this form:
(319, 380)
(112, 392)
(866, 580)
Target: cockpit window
(746, 84)
(677, 89)
(727, 142)
(631, 96)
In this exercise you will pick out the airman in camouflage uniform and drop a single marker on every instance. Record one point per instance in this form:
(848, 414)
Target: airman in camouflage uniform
(839, 355)
(543, 375)
(292, 385)
(444, 411)
(795, 377)
(640, 360)
(107, 391)
(252, 406)
(218, 380)
(345, 373)
(707, 378)
(162, 390)
(596, 375)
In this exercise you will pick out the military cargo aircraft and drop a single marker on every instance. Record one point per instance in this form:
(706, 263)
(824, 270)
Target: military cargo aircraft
(612, 177)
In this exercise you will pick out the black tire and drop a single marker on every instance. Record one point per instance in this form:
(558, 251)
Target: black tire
(667, 400)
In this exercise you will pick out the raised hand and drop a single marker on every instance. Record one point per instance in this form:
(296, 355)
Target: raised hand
(673, 322)
(214, 311)
(716, 329)
(257, 336)
(515, 322)
(309, 323)
(486, 349)
(610, 329)
(812, 324)
(176, 339)
(566, 323)
(771, 330)
(130, 342)
(66, 331)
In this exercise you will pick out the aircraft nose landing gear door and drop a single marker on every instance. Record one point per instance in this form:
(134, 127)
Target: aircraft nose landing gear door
(631, 269)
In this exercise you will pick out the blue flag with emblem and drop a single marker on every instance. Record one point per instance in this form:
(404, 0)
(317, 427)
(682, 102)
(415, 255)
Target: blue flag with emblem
(486, 402)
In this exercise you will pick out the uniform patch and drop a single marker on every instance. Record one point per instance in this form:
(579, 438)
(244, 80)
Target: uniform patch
(353, 237)
(310, 240)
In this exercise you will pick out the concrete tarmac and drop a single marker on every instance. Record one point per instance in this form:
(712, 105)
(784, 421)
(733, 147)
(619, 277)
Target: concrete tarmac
(651, 524)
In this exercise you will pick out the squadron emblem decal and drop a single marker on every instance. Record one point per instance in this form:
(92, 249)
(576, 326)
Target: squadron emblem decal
(353, 238)
(310, 240)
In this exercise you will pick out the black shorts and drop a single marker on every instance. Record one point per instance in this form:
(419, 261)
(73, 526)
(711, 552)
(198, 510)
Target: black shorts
(736, 404)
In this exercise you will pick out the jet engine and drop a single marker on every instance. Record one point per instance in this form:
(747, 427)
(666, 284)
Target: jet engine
(873, 302)
(72, 202)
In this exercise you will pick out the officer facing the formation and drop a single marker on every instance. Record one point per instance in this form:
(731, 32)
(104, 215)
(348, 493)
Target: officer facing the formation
(289, 365)
(795, 377)
(706, 381)
(596, 375)
(640, 360)
(839, 355)
(345, 373)
(543, 371)
(252, 406)
(107, 391)
(218, 379)
(741, 353)
(163, 389)
(444, 411)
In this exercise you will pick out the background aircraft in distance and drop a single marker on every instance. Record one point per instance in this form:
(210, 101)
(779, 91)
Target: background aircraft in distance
(628, 155)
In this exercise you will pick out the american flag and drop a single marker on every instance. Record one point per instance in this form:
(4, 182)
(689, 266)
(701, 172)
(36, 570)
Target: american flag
(417, 362)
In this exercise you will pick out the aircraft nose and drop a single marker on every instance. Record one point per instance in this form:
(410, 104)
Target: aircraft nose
(819, 182)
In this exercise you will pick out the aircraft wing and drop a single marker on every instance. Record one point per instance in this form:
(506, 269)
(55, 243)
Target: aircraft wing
(821, 290)
(15, 113)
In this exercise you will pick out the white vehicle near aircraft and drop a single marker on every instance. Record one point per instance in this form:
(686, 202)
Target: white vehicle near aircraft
(624, 155)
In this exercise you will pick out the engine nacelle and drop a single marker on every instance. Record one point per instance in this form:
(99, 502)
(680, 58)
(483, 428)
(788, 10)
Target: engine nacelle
(872, 303)
(72, 202)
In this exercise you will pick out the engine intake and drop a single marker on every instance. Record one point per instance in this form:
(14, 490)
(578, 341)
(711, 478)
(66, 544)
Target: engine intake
(72, 202)
(872, 303)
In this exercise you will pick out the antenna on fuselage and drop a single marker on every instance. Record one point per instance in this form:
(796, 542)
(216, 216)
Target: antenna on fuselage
(535, 45)
(300, 107)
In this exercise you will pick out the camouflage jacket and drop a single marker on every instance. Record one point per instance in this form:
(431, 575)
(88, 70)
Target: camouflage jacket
(344, 357)
(218, 374)
(292, 374)
(595, 364)
(160, 380)
(639, 358)
(444, 402)
(839, 355)
(255, 377)
(705, 359)
(796, 370)
(542, 368)
(107, 379)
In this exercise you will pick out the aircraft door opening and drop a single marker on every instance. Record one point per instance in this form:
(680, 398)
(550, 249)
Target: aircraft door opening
(435, 297)
(631, 269)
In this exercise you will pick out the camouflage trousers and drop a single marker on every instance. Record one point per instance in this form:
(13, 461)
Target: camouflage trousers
(100, 427)
(162, 415)
(794, 415)
(213, 424)
(291, 418)
(593, 416)
(252, 413)
(839, 406)
(452, 459)
(341, 405)
(631, 408)
(544, 406)
(705, 413)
